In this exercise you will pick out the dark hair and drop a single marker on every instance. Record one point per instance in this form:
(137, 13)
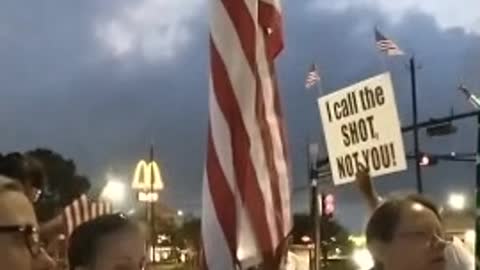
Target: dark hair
(85, 239)
(385, 219)
(23, 168)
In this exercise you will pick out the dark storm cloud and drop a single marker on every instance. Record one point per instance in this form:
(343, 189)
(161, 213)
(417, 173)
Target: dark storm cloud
(342, 44)
(64, 91)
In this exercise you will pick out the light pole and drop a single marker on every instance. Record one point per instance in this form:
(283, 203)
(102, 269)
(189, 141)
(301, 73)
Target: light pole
(147, 181)
(413, 81)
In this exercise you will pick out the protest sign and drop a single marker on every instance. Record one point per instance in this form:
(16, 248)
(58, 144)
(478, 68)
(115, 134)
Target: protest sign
(362, 129)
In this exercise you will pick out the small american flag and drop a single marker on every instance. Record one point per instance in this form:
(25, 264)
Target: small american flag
(312, 77)
(387, 45)
(82, 210)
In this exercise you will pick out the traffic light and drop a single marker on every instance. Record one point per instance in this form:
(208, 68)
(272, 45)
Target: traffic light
(427, 160)
(328, 205)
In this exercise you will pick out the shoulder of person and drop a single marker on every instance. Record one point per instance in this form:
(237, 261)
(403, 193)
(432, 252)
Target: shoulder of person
(458, 256)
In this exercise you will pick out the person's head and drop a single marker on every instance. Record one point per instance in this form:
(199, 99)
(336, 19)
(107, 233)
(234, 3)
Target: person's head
(20, 247)
(407, 233)
(25, 169)
(108, 242)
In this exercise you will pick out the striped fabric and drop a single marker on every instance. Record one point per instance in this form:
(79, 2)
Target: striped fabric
(246, 189)
(387, 45)
(82, 210)
(312, 77)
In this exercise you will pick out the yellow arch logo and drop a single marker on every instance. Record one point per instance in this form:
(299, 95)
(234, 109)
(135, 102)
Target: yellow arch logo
(144, 174)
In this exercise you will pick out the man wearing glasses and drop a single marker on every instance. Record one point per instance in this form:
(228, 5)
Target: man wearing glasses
(20, 248)
(26, 170)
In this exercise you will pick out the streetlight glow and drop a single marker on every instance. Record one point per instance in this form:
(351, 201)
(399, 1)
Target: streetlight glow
(363, 259)
(457, 201)
(306, 239)
(180, 213)
(114, 191)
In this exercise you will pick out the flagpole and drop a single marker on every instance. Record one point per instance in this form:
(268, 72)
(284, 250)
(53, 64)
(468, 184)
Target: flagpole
(312, 156)
(319, 88)
(415, 122)
(475, 101)
(477, 197)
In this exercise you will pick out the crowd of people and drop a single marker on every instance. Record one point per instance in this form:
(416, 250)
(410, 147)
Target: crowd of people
(109, 242)
(403, 232)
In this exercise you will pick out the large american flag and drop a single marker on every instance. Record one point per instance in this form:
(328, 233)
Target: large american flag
(312, 77)
(246, 189)
(387, 45)
(82, 210)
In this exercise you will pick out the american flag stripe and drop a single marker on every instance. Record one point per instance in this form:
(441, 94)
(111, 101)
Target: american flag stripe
(101, 209)
(69, 219)
(241, 120)
(93, 210)
(220, 137)
(271, 136)
(312, 77)
(270, 18)
(76, 213)
(222, 194)
(281, 158)
(228, 99)
(246, 157)
(264, 112)
(85, 208)
(387, 45)
(82, 210)
(216, 253)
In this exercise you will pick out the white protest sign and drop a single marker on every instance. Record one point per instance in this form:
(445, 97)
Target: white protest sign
(362, 128)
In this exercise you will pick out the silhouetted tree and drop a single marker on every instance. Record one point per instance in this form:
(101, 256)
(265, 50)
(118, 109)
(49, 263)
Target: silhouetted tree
(63, 183)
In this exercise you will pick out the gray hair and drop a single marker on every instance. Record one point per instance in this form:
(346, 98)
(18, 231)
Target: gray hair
(8, 184)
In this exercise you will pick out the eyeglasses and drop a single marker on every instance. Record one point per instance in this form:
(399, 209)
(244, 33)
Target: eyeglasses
(427, 238)
(30, 234)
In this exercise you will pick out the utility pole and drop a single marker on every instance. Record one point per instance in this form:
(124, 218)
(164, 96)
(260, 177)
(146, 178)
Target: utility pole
(415, 129)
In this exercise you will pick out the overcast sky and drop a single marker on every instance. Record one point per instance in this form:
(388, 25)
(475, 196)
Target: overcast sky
(98, 81)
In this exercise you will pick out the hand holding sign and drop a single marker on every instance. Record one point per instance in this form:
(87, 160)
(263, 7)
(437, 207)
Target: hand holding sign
(362, 129)
(364, 182)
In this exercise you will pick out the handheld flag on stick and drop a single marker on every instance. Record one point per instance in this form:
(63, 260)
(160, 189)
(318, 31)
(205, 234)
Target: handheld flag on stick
(82, 210)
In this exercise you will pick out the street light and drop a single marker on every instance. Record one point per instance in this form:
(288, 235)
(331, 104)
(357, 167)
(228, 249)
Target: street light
(363, 259)
(456, 201)
(114, 191)
(306, 239)
(180, 213)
